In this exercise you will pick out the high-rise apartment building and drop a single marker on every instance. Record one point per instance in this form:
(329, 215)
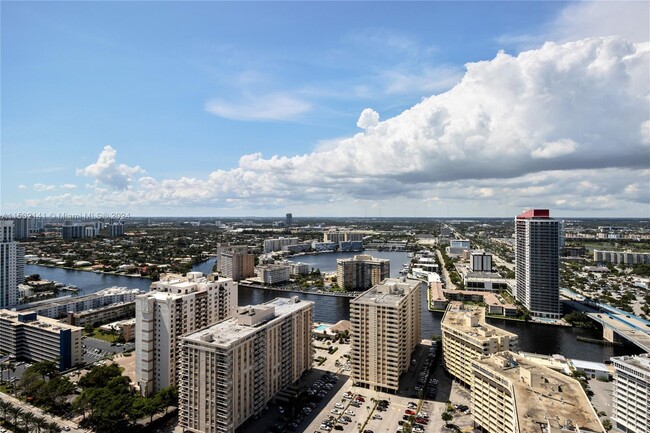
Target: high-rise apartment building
(537, 259)
(511, 394)
(480, 261)
(12, 265)
(288, 220)
(632, 393)
(237, 264)
(175, 306)
(338, 236)
(361, 272)
(231, 369)
(385, 330)
(466, 336)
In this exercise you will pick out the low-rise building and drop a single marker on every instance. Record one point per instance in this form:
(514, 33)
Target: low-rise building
(632, 393)
(100, 315)
(232, 369)
(273, 274)
(512, 395)
(34, 338)
(271, 245)
(466, 336)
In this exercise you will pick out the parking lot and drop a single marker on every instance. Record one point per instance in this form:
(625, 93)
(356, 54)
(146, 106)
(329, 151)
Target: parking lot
(96, 349)
(328, 401)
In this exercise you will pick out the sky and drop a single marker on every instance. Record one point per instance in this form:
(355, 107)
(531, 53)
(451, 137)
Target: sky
(367, 109)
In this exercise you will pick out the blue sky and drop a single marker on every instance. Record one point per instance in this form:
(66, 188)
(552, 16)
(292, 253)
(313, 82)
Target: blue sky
(182, 92)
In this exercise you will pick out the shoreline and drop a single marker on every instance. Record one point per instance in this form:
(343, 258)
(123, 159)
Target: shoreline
(282, 289)
(116, 274)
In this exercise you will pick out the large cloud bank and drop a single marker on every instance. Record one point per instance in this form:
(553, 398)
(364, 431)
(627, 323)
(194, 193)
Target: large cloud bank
(567, 124)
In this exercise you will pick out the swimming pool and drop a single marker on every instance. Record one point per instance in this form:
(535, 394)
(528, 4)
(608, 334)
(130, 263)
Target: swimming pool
(322, 327)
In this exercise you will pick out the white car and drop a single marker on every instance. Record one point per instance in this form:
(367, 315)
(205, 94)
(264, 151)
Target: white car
(336, 412)
(349, 412)
(325, 427)
(339, 406)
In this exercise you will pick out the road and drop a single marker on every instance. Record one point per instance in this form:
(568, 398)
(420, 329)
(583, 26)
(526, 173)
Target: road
(445, 274)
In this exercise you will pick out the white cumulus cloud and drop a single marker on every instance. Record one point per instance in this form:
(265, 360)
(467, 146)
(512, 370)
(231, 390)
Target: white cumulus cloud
(266, 107)
(107, 171)
(368, 119)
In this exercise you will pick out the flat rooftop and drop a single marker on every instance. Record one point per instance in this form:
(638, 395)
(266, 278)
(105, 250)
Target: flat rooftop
(40, 322)
(543, 394)
(639, 362)
(391, 291)
(470, 320)
(227, 332)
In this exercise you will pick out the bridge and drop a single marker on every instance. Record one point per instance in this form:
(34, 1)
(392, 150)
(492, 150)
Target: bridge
(626, 326)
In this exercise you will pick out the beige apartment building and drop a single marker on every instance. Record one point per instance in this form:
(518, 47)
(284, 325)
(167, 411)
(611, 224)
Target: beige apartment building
(466, 335)
(231, 370)
(385, 330)
(361, 272)
(237, 265)
(175, 306)
(511, 394)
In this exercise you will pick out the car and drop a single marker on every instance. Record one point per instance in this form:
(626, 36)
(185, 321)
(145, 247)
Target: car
(409, 412)
(325, 427)
(338, 427)
(339, 406)
(405, 417)
(355, 404)
(66, 428)
(361, 399)
(347, 418)
(336, 412)
(376, 416)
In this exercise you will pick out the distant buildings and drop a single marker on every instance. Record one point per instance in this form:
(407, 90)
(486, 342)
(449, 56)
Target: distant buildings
(361, 272)
(12, 265)
(59, 308)
(288, 220)
(511, 394)
(458, 246)
(385, 330)
(466, 336)
(337, 236)
(480, 261)
(632, 393)
(271, 245)
(537, 260)
(175, 306)
(237, 263)
(621, 257)
(273, 273)
(33, 338)
(231, 369)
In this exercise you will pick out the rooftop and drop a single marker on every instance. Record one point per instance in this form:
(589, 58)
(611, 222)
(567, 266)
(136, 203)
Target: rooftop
(391, 291)
(30, 318)
(247, 321)
(470, 320)
(363, 258)
(543, 395)
(535, 213)
(639, 362)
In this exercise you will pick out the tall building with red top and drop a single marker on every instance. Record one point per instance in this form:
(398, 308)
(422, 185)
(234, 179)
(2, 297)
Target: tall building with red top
(537, 259)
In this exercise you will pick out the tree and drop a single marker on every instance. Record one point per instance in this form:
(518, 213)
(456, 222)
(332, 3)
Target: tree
(99, 376)
(607, 424)
(48, 369)
(15, 413)
(447, 417)
(5, 406)
(53, 428)
(39, 423)
(28, 418)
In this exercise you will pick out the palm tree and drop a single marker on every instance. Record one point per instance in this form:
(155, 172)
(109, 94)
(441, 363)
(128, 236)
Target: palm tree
(16, 412)
(53, 428)
(28, 418)
(5, 406)
(39, 423)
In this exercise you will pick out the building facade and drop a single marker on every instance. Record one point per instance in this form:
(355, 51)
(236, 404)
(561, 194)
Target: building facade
(466, 336)
(361, 272)
(480, 261)
(271, 245)
(510, 394)
(537, 261)
(272, 274)
(385, 329)
(175, 306)
(32, 338)
(621, 257)
(237, 265)
(12, 265)
(232, 369)
(632, 393)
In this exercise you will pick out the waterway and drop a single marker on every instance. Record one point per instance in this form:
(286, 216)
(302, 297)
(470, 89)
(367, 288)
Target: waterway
(537, 338)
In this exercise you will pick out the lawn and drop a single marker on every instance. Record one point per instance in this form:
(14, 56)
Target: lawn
(110, 338)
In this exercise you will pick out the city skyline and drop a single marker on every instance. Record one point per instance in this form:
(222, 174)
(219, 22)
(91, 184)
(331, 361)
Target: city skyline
(326, 109)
